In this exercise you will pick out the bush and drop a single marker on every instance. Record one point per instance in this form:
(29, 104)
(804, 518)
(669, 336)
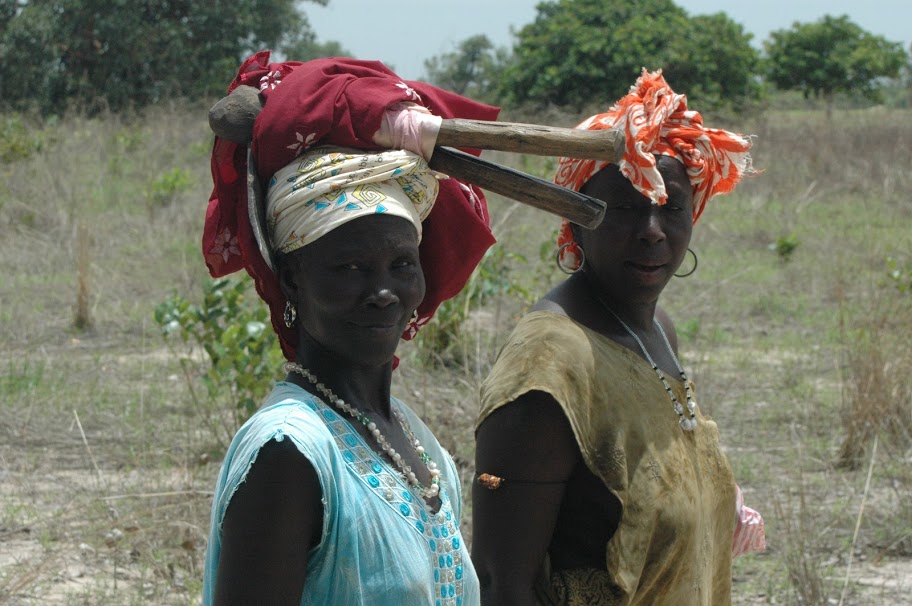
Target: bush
(242, 351)
(162, 189)
(17, 141)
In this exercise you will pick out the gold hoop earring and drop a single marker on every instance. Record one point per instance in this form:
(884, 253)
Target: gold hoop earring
(690, 250)
(562, 267)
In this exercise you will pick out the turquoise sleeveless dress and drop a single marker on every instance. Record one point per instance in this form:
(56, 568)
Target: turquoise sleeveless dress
(381, 544)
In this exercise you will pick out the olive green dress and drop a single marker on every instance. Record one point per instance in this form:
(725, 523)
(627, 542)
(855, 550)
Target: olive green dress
(673, 545)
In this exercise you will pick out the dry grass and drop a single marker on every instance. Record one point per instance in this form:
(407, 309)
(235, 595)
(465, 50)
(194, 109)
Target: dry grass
(106, 468)
(878, 391)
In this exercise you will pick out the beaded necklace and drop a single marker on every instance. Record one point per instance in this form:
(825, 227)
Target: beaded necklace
(405, 469)
(687, 423)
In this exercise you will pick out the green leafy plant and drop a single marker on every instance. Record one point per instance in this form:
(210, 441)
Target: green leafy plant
(901, 275)
(130, 140)
(17, 141)
(785, 246)
(162, 190)
(126, 143)
(21, 378)
(688, 329)
(242, 353)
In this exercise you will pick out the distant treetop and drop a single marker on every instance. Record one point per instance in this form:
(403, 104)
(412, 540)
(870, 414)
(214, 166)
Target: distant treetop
(119, 53)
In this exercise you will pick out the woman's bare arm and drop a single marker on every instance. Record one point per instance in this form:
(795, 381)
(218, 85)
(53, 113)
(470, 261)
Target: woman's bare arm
(528, 443)
(271, 523)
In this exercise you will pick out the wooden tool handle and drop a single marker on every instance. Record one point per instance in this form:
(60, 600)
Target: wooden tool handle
(576, 207)
(607, 145)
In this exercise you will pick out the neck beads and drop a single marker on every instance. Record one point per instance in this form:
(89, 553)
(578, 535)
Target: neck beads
(404, 468)
(687, 422)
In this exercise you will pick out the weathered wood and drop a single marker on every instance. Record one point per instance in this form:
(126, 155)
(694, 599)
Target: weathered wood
(607, 145)
(576, 207)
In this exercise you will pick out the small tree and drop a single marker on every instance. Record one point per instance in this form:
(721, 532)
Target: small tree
(715, 63)
(581, 51)
(304, 47)
(830, 56)
(473, 69)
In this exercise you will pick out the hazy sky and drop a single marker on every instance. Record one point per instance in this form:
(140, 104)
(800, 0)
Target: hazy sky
(419, 29)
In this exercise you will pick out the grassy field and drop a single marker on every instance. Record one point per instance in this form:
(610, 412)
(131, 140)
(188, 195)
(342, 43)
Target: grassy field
(796, 328)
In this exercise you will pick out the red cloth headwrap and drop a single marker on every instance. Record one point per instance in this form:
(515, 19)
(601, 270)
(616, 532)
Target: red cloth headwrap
(340, 102)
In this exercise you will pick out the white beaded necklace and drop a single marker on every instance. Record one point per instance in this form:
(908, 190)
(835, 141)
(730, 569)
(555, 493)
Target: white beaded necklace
(687, 423)
(405, 469)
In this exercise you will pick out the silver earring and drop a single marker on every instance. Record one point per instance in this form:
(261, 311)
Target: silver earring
(290, 315)
(690, 250)
(566, 270)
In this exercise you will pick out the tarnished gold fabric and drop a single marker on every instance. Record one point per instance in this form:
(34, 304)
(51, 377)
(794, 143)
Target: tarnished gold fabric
(578, 587)
(673, 544)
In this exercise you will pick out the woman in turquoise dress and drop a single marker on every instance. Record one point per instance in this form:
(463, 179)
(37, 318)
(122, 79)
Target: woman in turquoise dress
(335, 492)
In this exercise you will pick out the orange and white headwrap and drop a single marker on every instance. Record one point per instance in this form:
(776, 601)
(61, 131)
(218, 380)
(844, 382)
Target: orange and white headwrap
(655, 120)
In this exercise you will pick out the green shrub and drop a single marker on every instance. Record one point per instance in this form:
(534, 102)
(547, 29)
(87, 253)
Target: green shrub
(243, 356)
(130, 140)
(785, 246)
(162, 189)
(900, 274)
(126, 145)
(17, 141)
(688, 330)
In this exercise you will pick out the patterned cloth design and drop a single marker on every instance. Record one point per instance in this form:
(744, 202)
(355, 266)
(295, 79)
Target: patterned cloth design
(328, 187)
(580, 587)
(749, 534)
(438, 529)
(656, 120)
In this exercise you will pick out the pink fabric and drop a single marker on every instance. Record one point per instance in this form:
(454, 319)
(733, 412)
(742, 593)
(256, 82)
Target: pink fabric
(410, 127)
(749, 535)
(342, 102)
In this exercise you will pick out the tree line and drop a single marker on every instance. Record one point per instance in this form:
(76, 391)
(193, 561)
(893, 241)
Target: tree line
(579, 51)
(117, 54)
